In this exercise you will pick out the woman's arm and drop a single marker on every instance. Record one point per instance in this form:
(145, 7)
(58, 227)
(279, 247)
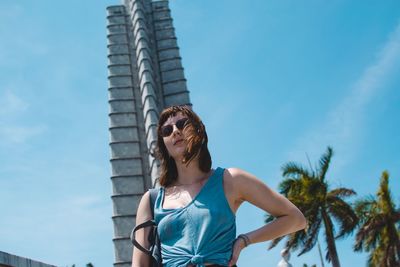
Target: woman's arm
(139, 258)
(289, 219)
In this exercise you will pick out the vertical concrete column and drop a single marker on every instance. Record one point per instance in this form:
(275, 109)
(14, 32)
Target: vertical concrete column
(147, 85)
(145, 75)
(171, 71)
(126, 161)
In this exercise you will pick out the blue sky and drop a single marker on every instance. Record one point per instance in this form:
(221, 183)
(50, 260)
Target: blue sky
(273, 81)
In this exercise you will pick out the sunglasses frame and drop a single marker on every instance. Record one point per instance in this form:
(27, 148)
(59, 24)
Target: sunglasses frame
(170, 127)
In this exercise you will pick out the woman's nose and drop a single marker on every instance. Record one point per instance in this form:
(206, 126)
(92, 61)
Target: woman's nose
(175, 129)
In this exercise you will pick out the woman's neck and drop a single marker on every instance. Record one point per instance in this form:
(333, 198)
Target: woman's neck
(189, 174)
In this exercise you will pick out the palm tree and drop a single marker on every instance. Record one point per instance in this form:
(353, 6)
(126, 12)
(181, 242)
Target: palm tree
(378, 233)
(310, 192)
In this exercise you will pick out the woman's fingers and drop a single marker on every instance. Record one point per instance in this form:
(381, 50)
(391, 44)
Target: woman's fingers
(237, 248)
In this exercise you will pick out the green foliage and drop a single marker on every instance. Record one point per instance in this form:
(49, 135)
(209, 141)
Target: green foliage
(378, 232)
(310, 192)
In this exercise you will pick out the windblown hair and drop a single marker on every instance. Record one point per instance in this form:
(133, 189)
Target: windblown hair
(196, 138)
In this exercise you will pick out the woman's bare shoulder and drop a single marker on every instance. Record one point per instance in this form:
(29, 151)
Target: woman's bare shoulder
(143, 211)
(234, 178)
(237, 175)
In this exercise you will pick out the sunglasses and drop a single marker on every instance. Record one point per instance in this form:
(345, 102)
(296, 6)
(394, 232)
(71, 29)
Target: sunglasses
(168, 129)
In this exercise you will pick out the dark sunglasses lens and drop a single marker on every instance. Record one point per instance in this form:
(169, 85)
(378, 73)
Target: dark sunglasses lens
(166, 130)
(180, 124)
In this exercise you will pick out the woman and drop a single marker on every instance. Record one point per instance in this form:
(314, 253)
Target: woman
(196, 205)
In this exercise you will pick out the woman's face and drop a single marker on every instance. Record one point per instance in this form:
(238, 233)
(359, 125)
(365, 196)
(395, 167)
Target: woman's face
(175, 142)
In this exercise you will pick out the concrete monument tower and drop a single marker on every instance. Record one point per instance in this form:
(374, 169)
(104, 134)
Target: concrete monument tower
(145, 75)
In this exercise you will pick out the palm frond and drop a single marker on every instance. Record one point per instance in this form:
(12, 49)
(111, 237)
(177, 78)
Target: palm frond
(379, 231)
(343, 214)
(295, 240)
(330, 244)
(324, 163)
(311, 236)
(384, 196)
(294, 170)
(342, 192)
(290, 185)
(376, 258)
(275, 242)
(365, 207)
(369, 233)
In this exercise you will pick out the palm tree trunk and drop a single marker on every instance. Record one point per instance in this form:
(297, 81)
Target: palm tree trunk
(330, 239)
(320, 254)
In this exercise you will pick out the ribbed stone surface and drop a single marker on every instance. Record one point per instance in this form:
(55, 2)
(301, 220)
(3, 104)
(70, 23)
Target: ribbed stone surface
(149, 105)
(118, 49)
(147, 92)
(172, 75)
(116, 28)
(180, 99)
(121, 93)
(168, 53)
(120, 81)
(157, 5)
(163, 24)
(124, 134)
(120, 264)
(138, 14)
(115, 10)
(140, 25)
(145, 66)
(122, 106)
(118, 59)
(126, 167)
(167, 43)
(164, 14)
(172, 88)
(144, 55)
(123, 225)
(122, 119)
(116, 20)
(117, 39)
(125, 204)
(123, 251)
(150, 118)
(128, 185)
(164, 34)
(125, 150)
(170, 64)
(119, 70)
(140, 73)
(154, 173)
(146, 84)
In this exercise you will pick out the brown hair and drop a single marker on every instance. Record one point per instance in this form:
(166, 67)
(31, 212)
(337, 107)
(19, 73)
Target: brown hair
(195, 137)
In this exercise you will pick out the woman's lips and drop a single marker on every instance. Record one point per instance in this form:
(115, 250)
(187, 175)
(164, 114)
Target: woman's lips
(178, 142)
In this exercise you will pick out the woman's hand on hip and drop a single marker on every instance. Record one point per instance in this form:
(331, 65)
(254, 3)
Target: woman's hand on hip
(237, 248)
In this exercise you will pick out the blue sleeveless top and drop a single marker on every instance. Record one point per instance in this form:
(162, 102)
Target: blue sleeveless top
(202, 232)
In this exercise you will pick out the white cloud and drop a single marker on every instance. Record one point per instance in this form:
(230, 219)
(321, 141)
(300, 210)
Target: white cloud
(19, 134)
(11, 108)
(343, 125)
(11, 104)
